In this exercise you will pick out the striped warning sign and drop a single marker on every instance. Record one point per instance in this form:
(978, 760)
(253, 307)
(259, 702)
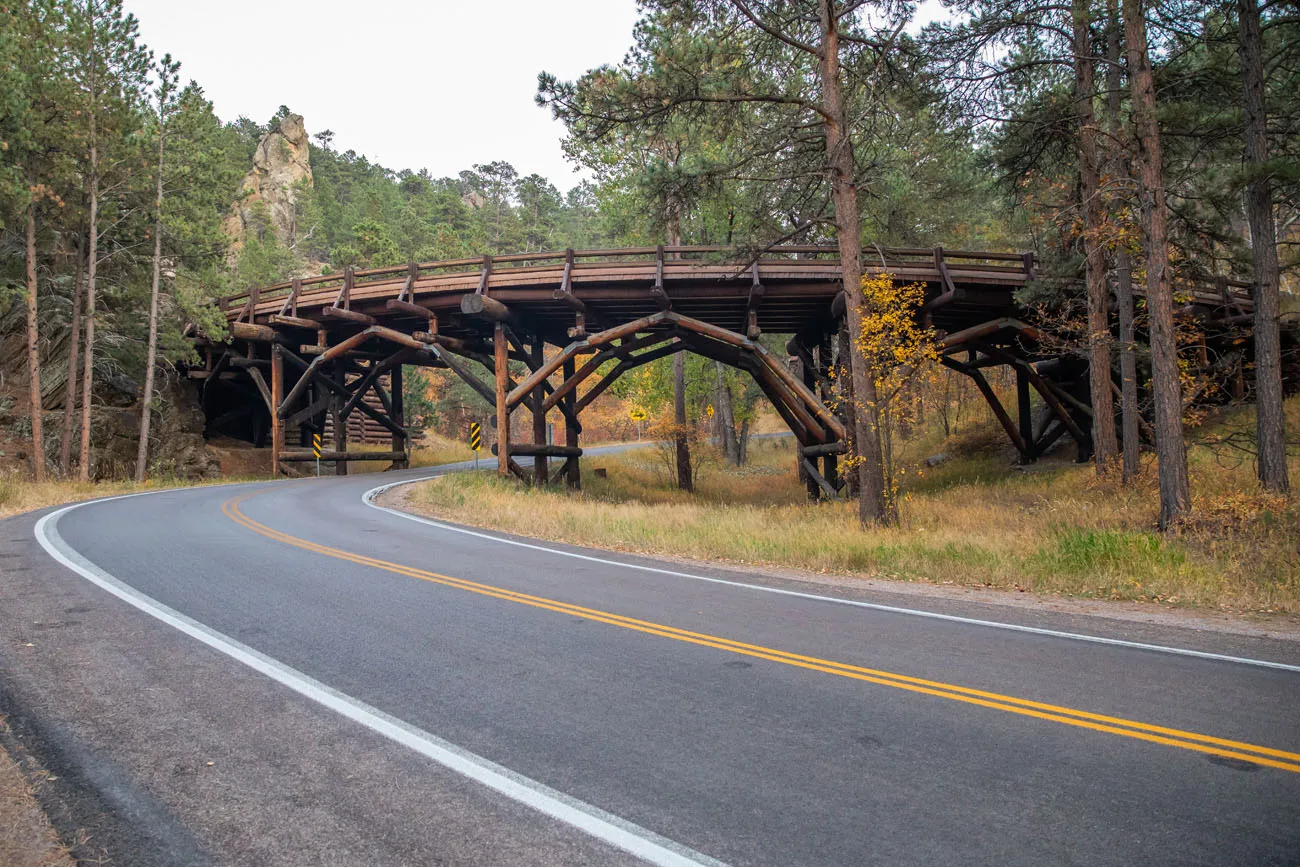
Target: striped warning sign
(315, 445)
(475, 436)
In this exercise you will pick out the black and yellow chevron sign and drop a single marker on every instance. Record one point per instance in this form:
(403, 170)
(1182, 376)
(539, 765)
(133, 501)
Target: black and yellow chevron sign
(315, 444)
(475, 436)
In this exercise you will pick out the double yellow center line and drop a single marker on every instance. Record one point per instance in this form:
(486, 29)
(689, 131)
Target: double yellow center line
(1267, 756)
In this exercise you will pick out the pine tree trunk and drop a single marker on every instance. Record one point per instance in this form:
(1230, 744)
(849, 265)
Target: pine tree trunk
(683, 448)
(33, 352)
(151, 354)
(1271, 422)
(726, 417)
(1104, 446)
(74, 344)
(682, 445)
(1129, 411)
(1171, 452)
(88, 356)
(873, 504)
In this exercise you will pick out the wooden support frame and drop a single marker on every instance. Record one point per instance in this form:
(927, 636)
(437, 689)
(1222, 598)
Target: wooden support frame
(994, 403)
(572, 469)
(277, 425)
(502, 365)
(541, 469)
(338, 420)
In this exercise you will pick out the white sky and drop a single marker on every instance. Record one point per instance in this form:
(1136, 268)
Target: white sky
(439, 84)
(436, 84)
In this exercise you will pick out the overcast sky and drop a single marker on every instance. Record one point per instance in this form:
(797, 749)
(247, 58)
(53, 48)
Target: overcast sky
(438, 84)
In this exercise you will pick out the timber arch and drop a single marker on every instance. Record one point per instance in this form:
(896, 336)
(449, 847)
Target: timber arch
(310, 355)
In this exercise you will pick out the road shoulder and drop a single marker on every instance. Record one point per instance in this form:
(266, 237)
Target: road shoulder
(1275, 636)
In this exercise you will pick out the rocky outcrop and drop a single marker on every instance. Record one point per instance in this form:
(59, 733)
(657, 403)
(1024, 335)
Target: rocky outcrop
(177, 447)
(269, 196)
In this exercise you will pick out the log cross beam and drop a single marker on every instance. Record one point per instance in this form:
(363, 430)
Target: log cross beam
(630, 362)
(593, 341)
(994, 404)
(593, 363)
(332, 384)
(371, 377)
(480, 387)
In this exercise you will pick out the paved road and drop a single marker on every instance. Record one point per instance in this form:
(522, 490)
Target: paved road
(331, 683)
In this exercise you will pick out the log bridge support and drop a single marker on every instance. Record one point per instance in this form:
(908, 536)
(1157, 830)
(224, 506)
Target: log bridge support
(551, 332)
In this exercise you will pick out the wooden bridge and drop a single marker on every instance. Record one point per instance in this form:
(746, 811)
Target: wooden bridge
(312, 352)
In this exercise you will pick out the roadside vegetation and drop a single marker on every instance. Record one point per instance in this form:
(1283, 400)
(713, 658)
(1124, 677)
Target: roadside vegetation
(976, 519)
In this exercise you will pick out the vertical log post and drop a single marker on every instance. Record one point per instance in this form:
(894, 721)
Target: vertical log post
(277, 397)
(825, 360)
(502, 365)
(337, 419)
(541, 468)
(573, 477)
(401, 442)
(1026, 417)
(814, 490)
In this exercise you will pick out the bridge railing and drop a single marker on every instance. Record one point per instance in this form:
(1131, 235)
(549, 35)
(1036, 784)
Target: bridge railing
(242, 304)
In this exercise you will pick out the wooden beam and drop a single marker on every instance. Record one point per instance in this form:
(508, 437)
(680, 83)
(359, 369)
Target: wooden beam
(572, 469)
(485, 307)
(260, 382)
(293, 321)
(994, 404)
(397, 305)
(248, 331)
(541, 450)
(311, 411)
(277, 389)
(541, 470)
(573, 349)
(332, 312)
(502, 359)
(309, 455)
(629, 363)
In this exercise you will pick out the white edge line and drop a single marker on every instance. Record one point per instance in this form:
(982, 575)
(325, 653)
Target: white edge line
(611, 829)
(370, 496)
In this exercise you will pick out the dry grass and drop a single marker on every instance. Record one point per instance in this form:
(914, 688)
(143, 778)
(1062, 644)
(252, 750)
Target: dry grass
(975, 520)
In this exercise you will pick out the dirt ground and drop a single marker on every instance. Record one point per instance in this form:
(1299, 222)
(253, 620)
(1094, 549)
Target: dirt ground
(26, 836)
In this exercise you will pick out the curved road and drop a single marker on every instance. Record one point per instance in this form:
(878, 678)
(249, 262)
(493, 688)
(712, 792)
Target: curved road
(285, 673)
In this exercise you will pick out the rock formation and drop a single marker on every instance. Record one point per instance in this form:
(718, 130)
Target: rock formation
(270, 191)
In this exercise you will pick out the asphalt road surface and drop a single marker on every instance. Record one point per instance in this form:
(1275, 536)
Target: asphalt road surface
(285, 673)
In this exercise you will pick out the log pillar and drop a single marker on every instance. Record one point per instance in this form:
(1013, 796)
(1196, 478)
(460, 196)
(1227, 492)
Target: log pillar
(830, 463)
(799, 372)
(541, 468)
(277, 397)
(502, 367)
(401, 441)
(1026, 417)
(336, 418)
(573, 472)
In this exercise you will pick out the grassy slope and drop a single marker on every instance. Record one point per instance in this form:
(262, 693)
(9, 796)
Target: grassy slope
(976, 519)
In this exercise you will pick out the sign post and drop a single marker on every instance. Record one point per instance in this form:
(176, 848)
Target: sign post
(315, 447)
(638, 415)
(475, 440)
